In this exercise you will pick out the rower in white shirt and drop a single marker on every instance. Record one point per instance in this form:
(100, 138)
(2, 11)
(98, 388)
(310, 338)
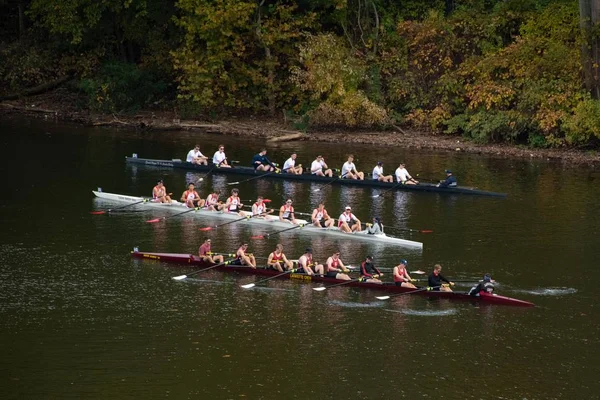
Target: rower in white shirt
(348, 221)
(402, 176)
(220, 159)
(195, 156)
(349, 170)
(378, 174)
(289, 167)
(316, 168)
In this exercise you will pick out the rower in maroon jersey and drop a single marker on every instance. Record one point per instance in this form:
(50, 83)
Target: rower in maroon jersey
(336, 268)
(278, 261)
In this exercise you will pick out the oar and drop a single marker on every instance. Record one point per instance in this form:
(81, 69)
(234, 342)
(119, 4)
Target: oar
(118, 208)
(266, 235)
(207, 174)
(151, 221)
(330, 182)
(181, 277)
(412, 291)
(251, 285)
(264, 200)
(410, 230)
(255, 177)
(320, 289)
(387, 190)
(210, 228)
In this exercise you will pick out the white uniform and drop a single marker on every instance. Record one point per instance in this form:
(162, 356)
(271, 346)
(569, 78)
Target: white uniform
(193, 154)
(377, 172)
(402, 175)
(289, 163)
(219, 157)
(316, 166)
(347, 167)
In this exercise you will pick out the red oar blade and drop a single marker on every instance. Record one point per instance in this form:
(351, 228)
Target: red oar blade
(97, 212)
(426, 231)
(152, 221)
(208, 228)
(267, 200)
(257, 237)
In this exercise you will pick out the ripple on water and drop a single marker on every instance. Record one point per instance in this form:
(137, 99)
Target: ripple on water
(549, 291)
(425, 313)
(349, 304)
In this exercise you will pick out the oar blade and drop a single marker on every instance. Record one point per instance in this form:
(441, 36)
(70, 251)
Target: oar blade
(418, 272)
(207, 228)
(180, 277)
(426, 231)
(316, 190)
(376, 196)
(97, 212)
(267, 200)
(233, 183)
(248, 286)
(257, 237)
(319, 289)
(382, 297)
(152, 221)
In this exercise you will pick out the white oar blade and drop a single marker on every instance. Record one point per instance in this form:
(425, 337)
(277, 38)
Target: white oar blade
(316, 190)
(418, 272)
(248, 286)
(180, 277)
(382, 297)
(319, 289)
(376, 196)
(233, 183)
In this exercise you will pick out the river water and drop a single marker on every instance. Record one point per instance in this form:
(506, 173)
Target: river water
(82, 320)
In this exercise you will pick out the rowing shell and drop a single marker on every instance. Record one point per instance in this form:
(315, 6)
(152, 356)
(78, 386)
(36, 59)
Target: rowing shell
(421, 187)
(197, 262)
(269, 220)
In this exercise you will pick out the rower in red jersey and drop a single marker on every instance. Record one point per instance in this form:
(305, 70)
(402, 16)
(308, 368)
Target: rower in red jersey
(306, 264)
(159, 193)
(348, 221)
(336, 268)
(191, 198)
(206, 255)
(233, 204)
(243, 258)
(278, 261)
(212, 202)
(401, 277)
(320, 217)
(369, 272)
(259, 208)
(286, 212)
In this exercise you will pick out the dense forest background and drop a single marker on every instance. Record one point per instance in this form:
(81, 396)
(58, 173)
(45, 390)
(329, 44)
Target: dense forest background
(520, 71)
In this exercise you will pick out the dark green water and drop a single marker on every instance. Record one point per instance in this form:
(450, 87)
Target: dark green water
(82, 320)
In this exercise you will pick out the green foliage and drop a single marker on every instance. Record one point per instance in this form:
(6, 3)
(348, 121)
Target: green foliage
(120, 87)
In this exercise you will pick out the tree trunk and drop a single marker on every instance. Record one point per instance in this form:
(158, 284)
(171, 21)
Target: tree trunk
(21, 8)
(589, 17)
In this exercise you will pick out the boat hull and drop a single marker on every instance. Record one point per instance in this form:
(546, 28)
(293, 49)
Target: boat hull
(422, 187)
(195, 261)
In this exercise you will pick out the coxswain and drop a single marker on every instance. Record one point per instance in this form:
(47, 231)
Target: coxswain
(485, 286)
(233, 203)
(305, 264)
(259, 208)
(320, 217)
(376, 228)
(436, 280)
(336, 268)
(243, 258)
(260, 162)
(316, 168)
(159, 193)
(450, 180)
(378, 174)
(401, 276)
(403, 177)
(191, 198)
(212, 202)
(348, 221)
(369, 272)
(195, 156)
(289, 167)
(278, 261)
(206, 255)
(286, 213)
(349, 170)
(220, 159)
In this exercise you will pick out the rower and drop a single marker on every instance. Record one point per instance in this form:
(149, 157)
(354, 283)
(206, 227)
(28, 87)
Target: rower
(195, 156)
(316, 168)
(305, 264)
(376, 228)
(289, 167)
(286, 213)
(191, 198)
(336, 268)
(159, 193)
(436, 279)
(348, 222)
(320, 217)
(450, 180)
(401, 277)
(349, 170)
(242, 258)
(206, 255)
(220, 159)
(260, 162)
(259, 208)
(278, 261)
(233, 204)
(403, 177)
(378, 174)
(369, 272)
(212, 202)
(484, 286)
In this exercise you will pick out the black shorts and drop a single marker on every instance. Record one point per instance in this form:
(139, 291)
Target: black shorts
(331, 274)
(322, 223)
(237, 261)
(289, 217)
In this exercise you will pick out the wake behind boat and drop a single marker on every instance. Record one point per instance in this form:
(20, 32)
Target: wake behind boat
(267, 220)
(190, 259)
(307, 177)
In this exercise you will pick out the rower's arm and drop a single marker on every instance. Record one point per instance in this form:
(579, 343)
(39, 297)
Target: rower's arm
(270, 259)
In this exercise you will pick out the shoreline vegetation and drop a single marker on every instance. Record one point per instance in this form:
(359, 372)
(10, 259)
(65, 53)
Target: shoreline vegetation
(511, 78)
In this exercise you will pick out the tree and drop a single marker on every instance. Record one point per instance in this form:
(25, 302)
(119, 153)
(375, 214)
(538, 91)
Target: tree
(589, 11)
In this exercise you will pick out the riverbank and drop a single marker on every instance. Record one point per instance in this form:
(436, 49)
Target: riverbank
(277, 129)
